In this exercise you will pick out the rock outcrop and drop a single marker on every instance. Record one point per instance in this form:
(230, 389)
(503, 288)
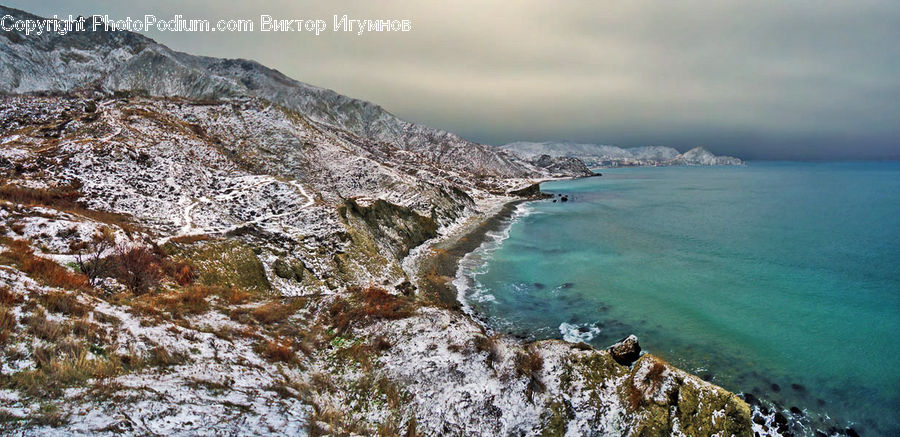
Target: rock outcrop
(626, 350)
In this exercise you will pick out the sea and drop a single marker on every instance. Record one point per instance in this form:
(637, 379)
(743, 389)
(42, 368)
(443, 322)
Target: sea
(775, 279)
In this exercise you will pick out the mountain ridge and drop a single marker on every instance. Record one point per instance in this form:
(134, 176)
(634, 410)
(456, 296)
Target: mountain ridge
(109, 61)
(601, 155)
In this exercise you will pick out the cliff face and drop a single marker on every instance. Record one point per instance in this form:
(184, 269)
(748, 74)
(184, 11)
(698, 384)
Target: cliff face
(203, 246)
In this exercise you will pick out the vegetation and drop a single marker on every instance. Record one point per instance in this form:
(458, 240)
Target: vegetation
(20, 254)
(366, 305)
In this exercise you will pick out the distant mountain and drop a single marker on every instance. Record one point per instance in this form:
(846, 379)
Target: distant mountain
(599, 155)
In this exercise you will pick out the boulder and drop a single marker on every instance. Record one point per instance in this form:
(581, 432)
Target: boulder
(626, 351)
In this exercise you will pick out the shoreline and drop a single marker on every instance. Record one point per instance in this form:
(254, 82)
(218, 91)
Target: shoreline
(437, 267)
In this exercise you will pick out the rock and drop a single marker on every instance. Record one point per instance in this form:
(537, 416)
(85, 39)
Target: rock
(851, 432)
(626, 351)
(776, 388)
(288, 270)
(796, 410)
(780, 419)
(532, 191)
(798, 387)
(750, 399)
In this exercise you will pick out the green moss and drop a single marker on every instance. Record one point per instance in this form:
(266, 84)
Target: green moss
(289, 269)
(557, 419)
(230, 263)
(398, 227)
(697, 411)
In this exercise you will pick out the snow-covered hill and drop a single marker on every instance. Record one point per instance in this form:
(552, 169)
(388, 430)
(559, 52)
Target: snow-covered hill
(124, 61)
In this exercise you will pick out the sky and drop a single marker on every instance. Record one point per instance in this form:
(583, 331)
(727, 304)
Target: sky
(762, 79)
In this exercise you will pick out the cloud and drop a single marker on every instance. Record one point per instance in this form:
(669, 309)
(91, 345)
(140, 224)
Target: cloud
(762, 79)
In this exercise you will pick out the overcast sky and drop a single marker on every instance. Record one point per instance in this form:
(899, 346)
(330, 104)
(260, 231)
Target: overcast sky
(757, 79)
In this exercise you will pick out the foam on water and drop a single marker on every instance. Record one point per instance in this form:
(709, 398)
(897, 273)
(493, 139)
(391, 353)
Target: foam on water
(474, 263)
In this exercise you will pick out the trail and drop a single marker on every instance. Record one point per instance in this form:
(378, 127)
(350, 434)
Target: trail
(255, 182)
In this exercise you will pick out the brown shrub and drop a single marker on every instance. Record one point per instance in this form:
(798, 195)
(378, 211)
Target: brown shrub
(276, 350)
(654, 375)
(43, 270)
(89, 256)
(635, 397)
(138, 268)
(274, 311)
(183, 273)
(652, 380)
(367, 305)
(489, 345)
(529, 364)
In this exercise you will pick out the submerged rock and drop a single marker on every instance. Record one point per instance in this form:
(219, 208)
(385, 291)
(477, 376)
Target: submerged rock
(626, 351)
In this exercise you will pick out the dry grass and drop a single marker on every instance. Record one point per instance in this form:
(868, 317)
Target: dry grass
(63, 302)
(236, 296)
(92, 332)
(161, 357)
(43, 270)
(190, 239)
(60, 367)
(7, 324)
(367, 305)
(9, 297)
(274, 311)
(529, 364)
(276, 350)
(652, 381)
(176, 303)
(44, 329)
(489, 345)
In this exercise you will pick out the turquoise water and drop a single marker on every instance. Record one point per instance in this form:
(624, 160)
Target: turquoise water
(770, 274)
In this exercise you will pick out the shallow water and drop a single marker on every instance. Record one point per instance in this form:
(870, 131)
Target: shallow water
(757, 278)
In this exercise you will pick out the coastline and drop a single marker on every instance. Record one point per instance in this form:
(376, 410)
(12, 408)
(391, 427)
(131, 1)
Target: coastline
(436, 268)
(435, 264)
(623, 401)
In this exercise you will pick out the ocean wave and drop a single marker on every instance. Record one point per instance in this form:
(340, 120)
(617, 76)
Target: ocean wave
(474, 263)
(578, 333)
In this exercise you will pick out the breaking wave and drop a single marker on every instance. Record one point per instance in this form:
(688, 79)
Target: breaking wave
(474, 264)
